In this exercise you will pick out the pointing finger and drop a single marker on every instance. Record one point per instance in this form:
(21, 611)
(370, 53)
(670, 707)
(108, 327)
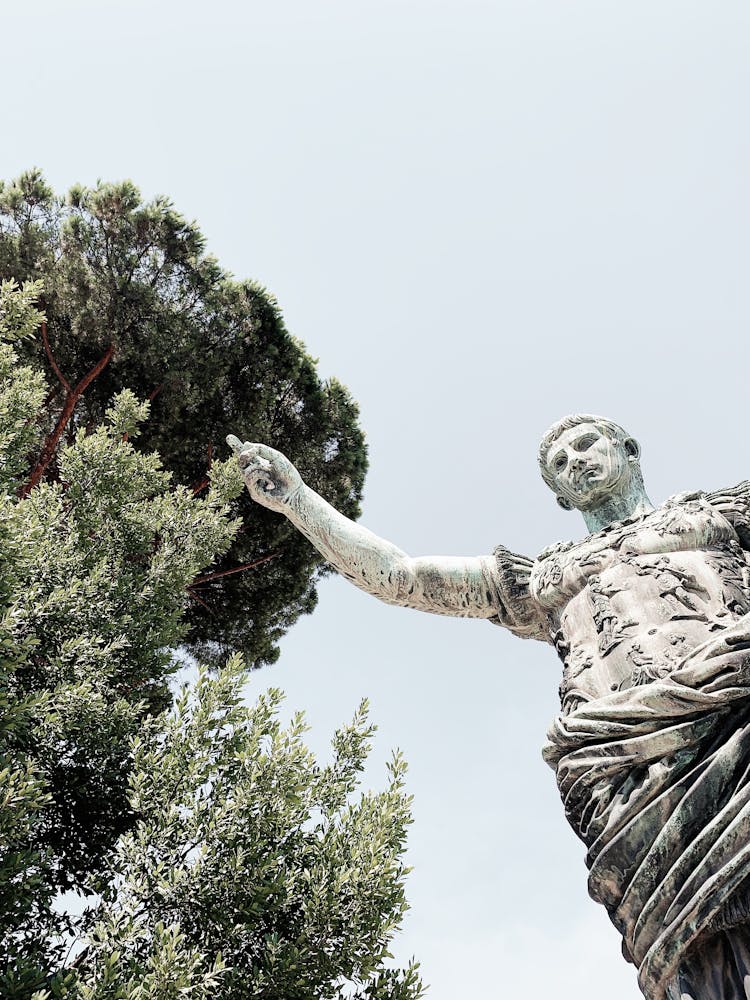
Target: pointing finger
(250, 454)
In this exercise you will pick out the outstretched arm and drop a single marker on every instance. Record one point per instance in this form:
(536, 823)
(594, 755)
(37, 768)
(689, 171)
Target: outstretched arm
(461, 586)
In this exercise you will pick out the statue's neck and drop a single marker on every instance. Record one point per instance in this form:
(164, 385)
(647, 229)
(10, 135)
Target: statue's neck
(617, 508)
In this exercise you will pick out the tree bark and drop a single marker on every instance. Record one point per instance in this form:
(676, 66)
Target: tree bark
(71, 399)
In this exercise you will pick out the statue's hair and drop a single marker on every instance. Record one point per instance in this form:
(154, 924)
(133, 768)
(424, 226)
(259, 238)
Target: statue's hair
(612, 430)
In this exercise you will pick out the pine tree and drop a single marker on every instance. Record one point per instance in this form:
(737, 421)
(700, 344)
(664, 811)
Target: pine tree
(133, 301)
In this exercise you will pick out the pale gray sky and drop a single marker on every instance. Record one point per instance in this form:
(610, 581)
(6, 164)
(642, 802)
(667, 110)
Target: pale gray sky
(479, 216)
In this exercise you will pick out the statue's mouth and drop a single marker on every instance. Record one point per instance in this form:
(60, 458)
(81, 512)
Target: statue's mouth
(586, 475)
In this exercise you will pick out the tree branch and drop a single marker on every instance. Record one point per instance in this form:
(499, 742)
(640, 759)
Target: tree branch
(205, 482)
(55, 368)
(53, 438)
(236, 569)
(200, 600)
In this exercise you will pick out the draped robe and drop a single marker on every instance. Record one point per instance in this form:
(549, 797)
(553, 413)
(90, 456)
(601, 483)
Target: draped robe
(656, 781)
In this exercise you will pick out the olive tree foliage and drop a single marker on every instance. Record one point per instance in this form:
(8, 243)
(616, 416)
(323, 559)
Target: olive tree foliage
(133, 301)
(28, 926)
(219, 859)
(251, 871)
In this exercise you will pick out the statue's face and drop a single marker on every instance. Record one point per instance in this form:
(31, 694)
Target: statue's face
(586, 466)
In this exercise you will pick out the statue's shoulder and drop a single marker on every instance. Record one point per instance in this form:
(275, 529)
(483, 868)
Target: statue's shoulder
(739, 494)
(555, 549)
(734, 503)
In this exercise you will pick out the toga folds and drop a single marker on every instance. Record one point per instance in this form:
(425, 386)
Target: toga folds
(656, 781)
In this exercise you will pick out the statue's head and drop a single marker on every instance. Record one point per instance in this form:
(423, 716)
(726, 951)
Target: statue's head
(585, 460)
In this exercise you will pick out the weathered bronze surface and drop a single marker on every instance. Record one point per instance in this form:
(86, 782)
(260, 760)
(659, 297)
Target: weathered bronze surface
(650, 616)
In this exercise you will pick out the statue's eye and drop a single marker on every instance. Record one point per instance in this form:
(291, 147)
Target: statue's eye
(585, 442)
(560, 462)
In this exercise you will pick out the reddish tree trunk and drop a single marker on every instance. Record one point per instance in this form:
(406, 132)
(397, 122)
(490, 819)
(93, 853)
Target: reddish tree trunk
(71, 399)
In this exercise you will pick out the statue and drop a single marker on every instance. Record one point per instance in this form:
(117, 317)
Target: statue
(650, 615)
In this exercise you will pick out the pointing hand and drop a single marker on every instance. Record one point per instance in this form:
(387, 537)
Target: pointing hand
(270, 477)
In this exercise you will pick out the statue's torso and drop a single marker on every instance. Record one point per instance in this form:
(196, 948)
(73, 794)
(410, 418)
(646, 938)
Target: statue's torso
(626, 604)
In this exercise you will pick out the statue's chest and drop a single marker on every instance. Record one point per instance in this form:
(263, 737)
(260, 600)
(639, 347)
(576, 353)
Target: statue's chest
(626, 605)
(564, 570)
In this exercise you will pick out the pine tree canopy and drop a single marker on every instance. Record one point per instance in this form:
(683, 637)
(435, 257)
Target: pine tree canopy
(217, 859)
(134, 302)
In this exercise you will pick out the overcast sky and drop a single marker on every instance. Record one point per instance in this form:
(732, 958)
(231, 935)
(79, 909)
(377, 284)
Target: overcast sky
(480, 216)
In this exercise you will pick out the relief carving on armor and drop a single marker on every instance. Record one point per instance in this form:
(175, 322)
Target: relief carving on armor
(684, 595)
(647, 667)
(610, 627)
(734, 572)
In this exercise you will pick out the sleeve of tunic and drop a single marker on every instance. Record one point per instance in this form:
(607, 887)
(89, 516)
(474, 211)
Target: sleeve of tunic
(516, 608)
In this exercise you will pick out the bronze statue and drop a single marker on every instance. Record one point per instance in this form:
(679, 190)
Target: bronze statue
(650, 615)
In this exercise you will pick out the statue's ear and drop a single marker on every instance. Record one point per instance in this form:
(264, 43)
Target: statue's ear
(564, 503)
(632, 448)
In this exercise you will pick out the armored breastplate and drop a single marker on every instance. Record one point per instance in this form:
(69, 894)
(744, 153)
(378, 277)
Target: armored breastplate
(626, 604)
